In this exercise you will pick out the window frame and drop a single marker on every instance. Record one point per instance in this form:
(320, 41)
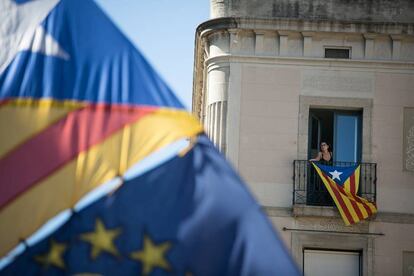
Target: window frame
(323, 102)
(326, 47)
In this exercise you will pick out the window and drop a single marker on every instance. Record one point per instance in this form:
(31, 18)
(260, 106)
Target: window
(337, 53)
(331, 262)
(408, 263)
(342, 130)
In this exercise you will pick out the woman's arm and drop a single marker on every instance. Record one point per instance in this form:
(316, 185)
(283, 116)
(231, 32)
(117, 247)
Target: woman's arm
(317, 158)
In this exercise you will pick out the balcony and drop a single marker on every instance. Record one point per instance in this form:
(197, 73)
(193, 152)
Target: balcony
(308, 188)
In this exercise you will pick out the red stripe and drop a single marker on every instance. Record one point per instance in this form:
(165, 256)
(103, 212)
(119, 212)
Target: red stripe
(352, 183)
(60, 143)
(4, 102)
(357, 199)
(353, 193)
(338, 196)
(366, 207)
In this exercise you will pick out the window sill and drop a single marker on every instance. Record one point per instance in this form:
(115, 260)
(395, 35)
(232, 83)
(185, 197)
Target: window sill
(300, 210)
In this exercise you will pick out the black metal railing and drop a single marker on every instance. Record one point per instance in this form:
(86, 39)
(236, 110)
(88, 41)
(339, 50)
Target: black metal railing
(309, 189)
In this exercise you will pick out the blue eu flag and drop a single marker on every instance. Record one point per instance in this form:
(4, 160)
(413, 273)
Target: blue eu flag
(191, 215)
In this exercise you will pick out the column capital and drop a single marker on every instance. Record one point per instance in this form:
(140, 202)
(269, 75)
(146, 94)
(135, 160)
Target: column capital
(370, 35)
(396, 37)
(284, 33)
(308, 34)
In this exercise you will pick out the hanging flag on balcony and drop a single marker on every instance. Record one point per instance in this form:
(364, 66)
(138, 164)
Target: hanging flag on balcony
(342, 184)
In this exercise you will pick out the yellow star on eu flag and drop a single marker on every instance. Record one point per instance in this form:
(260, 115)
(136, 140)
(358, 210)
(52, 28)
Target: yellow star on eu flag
(102, 239)
(54, 256)
(152, 255)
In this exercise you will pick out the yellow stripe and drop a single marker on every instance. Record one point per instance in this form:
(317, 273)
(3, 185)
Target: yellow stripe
(347, 198)
(347, 184)
(349, 206)
(351, 209)
(65, 187)
(21, 119)
(328, 187)
(363, 211)
(357, 171)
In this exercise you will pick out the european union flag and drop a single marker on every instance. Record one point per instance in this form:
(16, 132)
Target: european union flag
(190, 216)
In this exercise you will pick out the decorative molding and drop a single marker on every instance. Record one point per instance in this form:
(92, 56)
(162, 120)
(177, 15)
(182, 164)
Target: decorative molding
(277, 211)
(315, 211)
(301, 240)
(369, 45)
(372, 65)
(328, 218)
(408, 139)
(307, 43)
(391, 217)
(301, 25)
(259, 42)
(232, 25)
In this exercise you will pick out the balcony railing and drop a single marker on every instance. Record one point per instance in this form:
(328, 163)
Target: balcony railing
(309, 189)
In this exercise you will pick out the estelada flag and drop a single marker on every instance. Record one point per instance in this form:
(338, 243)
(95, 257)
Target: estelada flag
(342, 184)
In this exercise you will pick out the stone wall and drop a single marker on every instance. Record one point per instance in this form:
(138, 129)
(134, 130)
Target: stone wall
(392, 11)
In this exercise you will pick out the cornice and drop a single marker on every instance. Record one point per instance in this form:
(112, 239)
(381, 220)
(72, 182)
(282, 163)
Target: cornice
(397, 31)
(301, 25)
(372, 65)
(331, 212)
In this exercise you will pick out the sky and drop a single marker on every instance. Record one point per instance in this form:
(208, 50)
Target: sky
(164, 31)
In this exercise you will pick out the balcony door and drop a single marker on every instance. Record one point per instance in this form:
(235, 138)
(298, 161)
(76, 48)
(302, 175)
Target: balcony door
(347, 137)
(342, 130)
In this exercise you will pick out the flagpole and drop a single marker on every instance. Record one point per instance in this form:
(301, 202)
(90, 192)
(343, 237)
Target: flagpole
(331, 231)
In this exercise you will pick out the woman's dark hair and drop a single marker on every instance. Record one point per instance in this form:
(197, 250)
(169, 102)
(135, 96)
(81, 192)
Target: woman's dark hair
(323, 142)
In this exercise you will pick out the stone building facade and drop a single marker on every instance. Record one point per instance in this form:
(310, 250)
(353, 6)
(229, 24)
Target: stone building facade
(274, 78)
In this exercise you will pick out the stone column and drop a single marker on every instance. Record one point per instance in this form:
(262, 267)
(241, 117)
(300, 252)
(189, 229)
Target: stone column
(369, 45)
(283, 43)
(216, 103)
(217, 88)
(396, 46)
(234, 46)
(307, 43)
(259, 43)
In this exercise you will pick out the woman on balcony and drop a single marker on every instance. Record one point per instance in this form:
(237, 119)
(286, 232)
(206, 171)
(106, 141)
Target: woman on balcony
(324, 155)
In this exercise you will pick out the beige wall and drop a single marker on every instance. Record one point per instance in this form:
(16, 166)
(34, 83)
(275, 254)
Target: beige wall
(382, 254)
(389, 248)
(268, 127)
(267, 80)
(268, 131)
(393, 92)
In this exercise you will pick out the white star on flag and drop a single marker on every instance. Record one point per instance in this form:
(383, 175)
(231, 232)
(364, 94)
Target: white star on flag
(335, 175)
(26, 33)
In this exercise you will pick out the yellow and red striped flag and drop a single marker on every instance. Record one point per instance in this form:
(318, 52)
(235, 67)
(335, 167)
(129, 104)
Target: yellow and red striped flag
(342, 184)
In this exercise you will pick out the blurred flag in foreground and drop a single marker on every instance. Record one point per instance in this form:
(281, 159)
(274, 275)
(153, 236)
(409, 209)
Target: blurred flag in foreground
(188, 216)
(79, 106)
(342, 184)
